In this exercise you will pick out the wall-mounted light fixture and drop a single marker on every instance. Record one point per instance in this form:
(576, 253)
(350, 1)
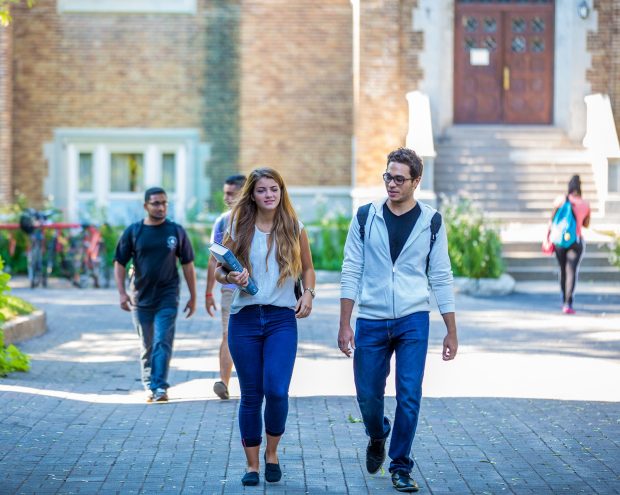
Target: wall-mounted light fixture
(583, 9)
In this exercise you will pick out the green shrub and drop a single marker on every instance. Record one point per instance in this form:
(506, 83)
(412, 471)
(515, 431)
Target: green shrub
(614, 249)
(327, 240)
(11, 358)
(10, 213)
(14, 306)
(200, 235)
(474, 242)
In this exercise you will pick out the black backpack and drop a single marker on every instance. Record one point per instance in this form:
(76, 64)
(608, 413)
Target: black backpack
(362, 217)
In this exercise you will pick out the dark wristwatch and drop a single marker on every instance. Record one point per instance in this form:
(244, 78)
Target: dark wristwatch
(311, 291)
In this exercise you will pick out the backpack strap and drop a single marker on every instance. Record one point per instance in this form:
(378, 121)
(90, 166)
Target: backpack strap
(136, 230)
(435, 226)
(362, 216)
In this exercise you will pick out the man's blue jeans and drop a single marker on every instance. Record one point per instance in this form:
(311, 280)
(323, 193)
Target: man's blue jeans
(156, 329)
(375, 342)
(263, 344)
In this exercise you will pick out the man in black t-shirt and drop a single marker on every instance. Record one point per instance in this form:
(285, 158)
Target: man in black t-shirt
(154, 244)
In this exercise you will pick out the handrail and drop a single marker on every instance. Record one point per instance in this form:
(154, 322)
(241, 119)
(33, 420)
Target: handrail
(50, 226)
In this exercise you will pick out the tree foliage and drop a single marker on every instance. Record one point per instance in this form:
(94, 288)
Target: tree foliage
(5, 6)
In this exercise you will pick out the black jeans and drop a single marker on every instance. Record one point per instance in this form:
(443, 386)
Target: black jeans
(568, 259)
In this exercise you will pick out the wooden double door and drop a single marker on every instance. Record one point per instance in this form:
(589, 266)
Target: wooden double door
(503, 61)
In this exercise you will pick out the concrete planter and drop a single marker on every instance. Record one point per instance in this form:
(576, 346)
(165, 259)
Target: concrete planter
(24, 327)
(501, 286)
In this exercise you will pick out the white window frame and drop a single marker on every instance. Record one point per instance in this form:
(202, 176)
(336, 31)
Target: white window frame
(63, 155)
(102, 162)
(127, 6)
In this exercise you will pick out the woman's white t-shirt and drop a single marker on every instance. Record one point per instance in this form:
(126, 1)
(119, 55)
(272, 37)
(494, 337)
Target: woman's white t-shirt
(265, 273)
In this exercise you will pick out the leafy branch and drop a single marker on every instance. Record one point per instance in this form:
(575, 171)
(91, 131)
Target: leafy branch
(5, 7)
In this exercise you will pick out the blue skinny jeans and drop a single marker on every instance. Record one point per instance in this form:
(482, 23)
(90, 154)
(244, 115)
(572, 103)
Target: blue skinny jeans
(375, 342)
(263, 345)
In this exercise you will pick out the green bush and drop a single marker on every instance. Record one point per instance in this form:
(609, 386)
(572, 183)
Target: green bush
(614, 249)
(199, 235)
(11, 358)
(327, 240)
(110, 235)
(15, 262)
(474, 242)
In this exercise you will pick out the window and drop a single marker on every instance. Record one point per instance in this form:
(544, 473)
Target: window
(128, 6)
(104, 172)
(127, 172)
(85, 173)
(613, 175)
(168, 172)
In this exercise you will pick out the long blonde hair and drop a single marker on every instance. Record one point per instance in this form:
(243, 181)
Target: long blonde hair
(285, 232)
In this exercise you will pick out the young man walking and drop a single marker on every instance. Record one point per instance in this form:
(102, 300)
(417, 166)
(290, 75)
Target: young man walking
(232, 186)
(155, 244)
(390, 268)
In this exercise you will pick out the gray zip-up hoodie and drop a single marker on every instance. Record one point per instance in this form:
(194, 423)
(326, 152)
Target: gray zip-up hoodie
(388, 291)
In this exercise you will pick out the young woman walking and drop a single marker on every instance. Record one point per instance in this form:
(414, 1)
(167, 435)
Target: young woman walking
(570, 257)
(272, 246)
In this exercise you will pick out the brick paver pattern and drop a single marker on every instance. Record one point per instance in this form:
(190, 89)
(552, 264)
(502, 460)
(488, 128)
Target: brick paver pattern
(78, 423)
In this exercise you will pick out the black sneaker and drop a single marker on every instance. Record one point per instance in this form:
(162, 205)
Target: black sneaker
(403, 482)
(375, 454)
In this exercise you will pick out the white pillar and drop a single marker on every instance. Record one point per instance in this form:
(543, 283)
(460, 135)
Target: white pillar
(181, 184)
(420, 139)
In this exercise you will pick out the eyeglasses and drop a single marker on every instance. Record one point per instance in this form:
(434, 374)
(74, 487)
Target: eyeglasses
(399, 180)
(157, 204)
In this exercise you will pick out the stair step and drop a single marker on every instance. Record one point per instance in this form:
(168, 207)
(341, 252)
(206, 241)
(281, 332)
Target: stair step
(607, 274)
(517, 168)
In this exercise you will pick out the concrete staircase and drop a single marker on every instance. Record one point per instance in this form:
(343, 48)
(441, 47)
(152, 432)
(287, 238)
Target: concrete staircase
(514, 173)
(524, 261)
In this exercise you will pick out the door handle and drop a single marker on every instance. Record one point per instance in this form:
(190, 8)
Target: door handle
(506, 78)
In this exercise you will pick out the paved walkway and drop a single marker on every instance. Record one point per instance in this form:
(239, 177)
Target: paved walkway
(530, 405)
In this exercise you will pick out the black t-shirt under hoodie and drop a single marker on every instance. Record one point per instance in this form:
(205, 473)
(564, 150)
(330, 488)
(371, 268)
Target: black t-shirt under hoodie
(399, 228)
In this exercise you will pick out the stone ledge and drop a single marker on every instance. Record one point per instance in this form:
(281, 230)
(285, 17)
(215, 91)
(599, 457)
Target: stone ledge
(501, 286)
(24, 327)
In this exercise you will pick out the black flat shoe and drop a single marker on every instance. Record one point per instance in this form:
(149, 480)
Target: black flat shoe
(403, 482)
(250, 479)
(375, 454)
(273, 473)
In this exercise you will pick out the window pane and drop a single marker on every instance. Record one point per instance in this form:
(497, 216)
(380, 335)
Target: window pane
(168, 172)
(85, 178)
(613, 171)
(127, 172)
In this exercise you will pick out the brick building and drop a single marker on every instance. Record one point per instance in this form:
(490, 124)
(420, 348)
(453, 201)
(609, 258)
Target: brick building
(101, 98)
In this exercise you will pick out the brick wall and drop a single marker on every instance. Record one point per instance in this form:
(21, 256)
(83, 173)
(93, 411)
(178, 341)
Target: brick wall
(100, 70)
(6, 97)
(388, 71)
(221, 75)
(269, 87)
(296, 98)
(604, 45)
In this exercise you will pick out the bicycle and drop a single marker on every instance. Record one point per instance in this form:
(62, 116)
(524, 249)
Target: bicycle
(91, 258)
(32, 222)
